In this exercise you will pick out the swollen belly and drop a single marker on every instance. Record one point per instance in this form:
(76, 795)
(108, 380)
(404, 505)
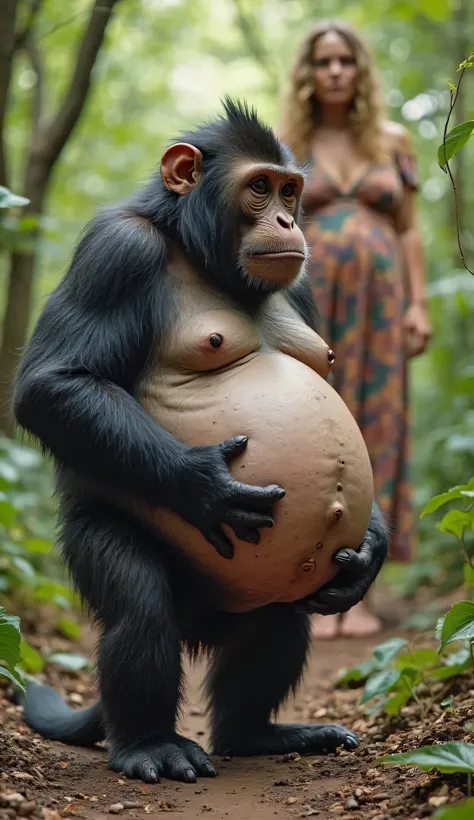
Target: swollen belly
(302, 437)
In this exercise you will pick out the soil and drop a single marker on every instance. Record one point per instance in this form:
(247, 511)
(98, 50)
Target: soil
(40, 779)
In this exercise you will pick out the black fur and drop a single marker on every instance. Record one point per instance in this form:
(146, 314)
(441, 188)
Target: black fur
(75, 392)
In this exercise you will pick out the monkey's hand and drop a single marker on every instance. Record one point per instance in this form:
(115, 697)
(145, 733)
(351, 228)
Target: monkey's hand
(207, 496)
(359, 570)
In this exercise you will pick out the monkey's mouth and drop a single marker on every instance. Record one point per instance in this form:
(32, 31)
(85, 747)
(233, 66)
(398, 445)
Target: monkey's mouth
(295, 254)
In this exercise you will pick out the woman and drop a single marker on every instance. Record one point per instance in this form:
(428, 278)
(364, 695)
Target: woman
(366, 269)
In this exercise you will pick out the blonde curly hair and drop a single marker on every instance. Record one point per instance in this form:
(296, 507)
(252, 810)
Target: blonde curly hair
(300, 109)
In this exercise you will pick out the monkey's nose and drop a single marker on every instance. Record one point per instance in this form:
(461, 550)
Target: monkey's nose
(286, 221)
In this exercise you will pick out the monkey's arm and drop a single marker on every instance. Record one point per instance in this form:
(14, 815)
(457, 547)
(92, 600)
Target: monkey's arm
(76, 384)
(74, 389)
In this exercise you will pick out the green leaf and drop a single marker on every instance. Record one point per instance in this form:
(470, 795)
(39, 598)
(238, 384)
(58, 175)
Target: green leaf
(31, 660)
(395, 703)
(439, 500)
(458, 624)
(53, 592)
(468, 572)
(436, 9)
(419, 659)
(8, 514)
(386, 651)
(379, 683)
(9, 200)
(13, 675)
(359, 672)
(410, 675)
(447, 758)
(447, 672)
(69, 629)
(455, 139)
(37, 545)
(460, 811)
(455, 522)
(10, 638)
(72, 661)
(447, 702)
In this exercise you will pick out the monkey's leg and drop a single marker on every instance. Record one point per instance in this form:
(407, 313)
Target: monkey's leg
(253, 672)
(119, 571)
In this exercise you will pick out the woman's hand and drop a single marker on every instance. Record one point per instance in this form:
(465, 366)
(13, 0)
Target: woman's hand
(416, 323)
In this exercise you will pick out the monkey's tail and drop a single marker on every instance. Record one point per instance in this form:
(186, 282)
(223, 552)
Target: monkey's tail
(47, 714)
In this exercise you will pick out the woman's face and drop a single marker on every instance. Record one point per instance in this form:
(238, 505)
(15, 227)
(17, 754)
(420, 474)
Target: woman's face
(334, 69)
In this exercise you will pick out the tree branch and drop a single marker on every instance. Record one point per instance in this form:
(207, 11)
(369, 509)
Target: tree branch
(53, 137)
(7, 48)
(36, 59)
(21, 36)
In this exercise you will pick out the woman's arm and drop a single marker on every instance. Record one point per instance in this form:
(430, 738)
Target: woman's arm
(416, 319)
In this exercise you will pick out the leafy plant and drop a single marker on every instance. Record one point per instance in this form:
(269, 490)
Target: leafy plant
(10, 640)
(26, 525)
(394, 672)
(453, 141)
(447, 758)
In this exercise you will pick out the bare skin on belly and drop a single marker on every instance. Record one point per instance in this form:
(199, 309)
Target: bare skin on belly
(225, 374)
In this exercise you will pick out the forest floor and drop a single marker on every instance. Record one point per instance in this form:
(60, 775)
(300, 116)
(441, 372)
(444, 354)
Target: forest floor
(40, 779)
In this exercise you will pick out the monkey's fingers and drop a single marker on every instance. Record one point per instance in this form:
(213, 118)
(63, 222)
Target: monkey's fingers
(357, 563)
(233, 447)
(337, 599)
(254, 496)
(220, 542)
(248, 519)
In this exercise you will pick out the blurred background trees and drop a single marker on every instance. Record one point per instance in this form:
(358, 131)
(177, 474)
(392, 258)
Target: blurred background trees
(89, 93)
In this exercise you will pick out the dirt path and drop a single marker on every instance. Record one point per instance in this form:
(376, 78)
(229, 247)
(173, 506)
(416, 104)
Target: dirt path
(56, 781)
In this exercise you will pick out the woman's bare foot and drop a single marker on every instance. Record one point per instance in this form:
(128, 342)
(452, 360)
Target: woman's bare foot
(325, 627)
(360, 622)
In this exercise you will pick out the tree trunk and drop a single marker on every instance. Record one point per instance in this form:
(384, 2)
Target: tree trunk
(20, 290)
(48, 140)
(7, 47)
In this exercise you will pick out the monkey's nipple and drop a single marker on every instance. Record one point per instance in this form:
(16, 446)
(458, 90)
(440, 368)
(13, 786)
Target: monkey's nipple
(216, 339)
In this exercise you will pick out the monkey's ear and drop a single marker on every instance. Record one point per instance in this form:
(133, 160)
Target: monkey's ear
(180, 167)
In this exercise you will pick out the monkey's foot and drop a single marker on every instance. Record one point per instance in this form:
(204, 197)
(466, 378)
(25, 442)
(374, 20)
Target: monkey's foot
(277, 739)
(176, 758)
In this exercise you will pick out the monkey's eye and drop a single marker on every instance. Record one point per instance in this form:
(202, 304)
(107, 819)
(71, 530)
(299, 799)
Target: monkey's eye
(259, 186)
(288, 190)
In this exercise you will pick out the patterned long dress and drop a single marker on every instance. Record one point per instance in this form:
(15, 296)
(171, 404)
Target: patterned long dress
(358, 282)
